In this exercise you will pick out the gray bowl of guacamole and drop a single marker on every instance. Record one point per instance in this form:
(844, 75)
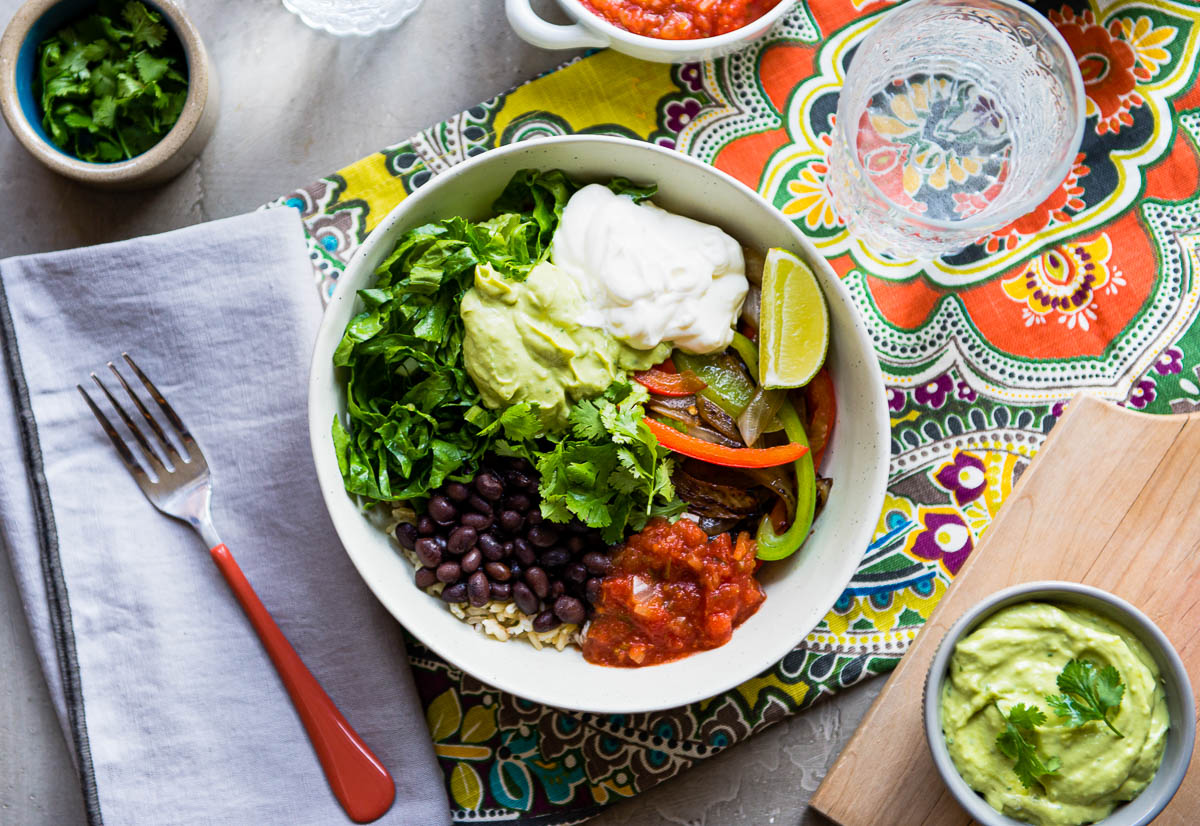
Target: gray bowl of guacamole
(1002, 659)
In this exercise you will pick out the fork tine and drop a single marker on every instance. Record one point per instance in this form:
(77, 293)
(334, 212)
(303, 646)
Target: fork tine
(122, 449)
(151, 456)
(168, 411)
(168, 448)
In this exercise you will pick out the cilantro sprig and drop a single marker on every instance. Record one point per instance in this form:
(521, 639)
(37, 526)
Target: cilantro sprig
(1019, 723)
(109, 83)
(1089, 693)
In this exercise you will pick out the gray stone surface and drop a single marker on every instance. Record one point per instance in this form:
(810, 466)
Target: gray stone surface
(297, 104)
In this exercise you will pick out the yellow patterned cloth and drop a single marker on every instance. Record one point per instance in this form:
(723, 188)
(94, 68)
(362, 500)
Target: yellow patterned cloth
(1094, 290)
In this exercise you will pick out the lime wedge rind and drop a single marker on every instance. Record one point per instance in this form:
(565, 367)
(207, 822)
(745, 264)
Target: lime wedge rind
(794, 322)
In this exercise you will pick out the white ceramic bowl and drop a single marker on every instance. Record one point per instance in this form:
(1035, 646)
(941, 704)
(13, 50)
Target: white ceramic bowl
(1181, 707)
(799, 590)
(590, 31)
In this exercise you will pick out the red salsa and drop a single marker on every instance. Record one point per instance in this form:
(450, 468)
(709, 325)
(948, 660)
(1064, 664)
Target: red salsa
(672, 591)
(680, 19)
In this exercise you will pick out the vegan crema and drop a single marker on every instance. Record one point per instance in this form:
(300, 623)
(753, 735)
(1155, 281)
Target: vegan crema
(1015, 656)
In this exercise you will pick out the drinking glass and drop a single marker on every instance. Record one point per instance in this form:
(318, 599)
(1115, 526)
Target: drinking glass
(343, 17)
(955, 119)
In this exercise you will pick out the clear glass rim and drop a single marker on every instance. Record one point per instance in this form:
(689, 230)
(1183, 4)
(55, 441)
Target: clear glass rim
(985, 224)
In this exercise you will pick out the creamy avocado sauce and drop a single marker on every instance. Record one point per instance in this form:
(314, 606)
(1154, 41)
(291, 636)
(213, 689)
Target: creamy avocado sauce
(524, 343)
(1015, 657)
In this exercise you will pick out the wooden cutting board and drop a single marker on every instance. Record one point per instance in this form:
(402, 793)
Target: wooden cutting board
(1111, 500)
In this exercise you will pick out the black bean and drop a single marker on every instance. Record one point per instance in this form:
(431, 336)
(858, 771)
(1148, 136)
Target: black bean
(536, 578)
(525, 599)
(478, 589)
(575, 526)
(501, 591)
(478, 521)
(534, 517)
(480, 505)
(546, 621)
(515, 569)
(557, 589)
(524, 552)
(492, 547)
(461, 539)
(520, 465)
(441, 510)
(569, 609)
(592, 589)
(455, 593)
(575, 572)
(498, 571)
(511, 521)
(457, 491)
(449, 572)
(554, 558)
(425, 577)
(575, 544)
(519, 502)
(542, 536)
(406, 535)
(597, 563)
(426, 525)
(506, 550)
(489, 486)
(471, 561)
(521, 480)
(428, 552)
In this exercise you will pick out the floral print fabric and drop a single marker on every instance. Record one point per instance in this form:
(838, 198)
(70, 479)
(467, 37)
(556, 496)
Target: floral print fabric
(1094, 291)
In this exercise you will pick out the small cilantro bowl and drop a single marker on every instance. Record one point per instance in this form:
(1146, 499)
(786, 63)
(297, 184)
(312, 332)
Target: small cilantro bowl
(1181, 707)
(155, 160)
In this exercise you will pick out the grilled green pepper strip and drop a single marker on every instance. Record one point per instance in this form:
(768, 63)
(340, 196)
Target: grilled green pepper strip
(728, 387)
(748, 350)
(771, 545)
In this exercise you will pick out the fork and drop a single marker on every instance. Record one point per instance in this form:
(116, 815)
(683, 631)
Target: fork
(183, 489)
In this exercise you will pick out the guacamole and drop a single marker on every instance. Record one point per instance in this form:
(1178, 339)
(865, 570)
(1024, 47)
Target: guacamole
(524, 343)
(1014, 657)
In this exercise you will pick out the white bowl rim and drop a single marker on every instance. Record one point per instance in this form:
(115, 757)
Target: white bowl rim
(327, 338)
(1136, 622)
(593, 20)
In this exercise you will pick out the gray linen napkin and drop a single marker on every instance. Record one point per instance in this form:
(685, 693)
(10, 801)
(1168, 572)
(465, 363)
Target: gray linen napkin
(172, 710)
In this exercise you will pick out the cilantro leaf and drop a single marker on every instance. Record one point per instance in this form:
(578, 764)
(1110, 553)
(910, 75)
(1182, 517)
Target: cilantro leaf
(108, 92)
(1089, 693)
(1029, 766)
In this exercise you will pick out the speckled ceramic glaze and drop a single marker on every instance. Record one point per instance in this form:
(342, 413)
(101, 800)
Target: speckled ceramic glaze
(799, 589)
(36, 20)
(590, 31)
(1180, 702)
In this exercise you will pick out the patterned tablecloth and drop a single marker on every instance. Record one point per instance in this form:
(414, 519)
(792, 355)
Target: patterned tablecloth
(1095, 290)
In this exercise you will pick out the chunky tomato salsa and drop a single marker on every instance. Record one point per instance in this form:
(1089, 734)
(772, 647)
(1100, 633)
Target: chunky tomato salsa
(672, 591)
(680, 19)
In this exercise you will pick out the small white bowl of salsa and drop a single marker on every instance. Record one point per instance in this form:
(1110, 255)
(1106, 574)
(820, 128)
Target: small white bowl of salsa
(687, 31)
(1007, 652)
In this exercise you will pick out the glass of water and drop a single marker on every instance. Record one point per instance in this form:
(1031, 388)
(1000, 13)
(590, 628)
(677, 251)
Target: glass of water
(342, 17)
(956, 118)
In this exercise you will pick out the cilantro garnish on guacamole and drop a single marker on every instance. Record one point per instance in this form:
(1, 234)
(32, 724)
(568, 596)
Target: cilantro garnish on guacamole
(111, 84)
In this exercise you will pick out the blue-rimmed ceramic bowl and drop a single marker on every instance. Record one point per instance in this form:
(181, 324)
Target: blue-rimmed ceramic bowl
(38, 19)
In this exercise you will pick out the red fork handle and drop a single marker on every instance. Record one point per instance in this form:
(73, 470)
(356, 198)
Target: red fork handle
(359, 781)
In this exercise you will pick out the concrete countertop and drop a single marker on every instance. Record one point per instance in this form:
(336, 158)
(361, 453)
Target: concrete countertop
(297, 104)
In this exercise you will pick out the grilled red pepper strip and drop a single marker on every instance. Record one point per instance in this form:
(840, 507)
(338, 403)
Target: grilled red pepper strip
(661, 383)
(672, 439)
(822, 410)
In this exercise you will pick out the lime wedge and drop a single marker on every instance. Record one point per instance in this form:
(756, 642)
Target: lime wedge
(793, 334)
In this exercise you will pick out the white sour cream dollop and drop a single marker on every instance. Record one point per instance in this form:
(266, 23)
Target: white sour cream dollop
(648, 275)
